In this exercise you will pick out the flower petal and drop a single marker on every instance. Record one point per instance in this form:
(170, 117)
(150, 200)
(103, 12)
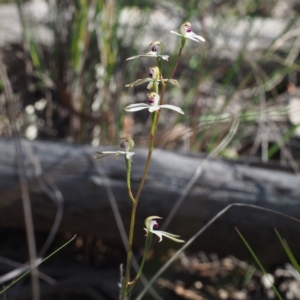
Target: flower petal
(199, 37)
(172, 107)
(154, 108)
(133, 57)
(150, 85)
(136, 107)
(158, 234)
(102, 155)
(138, 82)
(174, 82)
(164, 57)
(136, 104)
(129, 155)
(147, 221)
(148, 54)
(106, 152)
(176, 33)
(194, 37)
(151, 54)
(173, 237)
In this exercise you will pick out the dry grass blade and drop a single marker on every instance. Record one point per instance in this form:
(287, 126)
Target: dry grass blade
(200, 170)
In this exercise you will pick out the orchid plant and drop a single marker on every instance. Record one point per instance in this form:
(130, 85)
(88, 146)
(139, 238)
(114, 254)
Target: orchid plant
(154, 106)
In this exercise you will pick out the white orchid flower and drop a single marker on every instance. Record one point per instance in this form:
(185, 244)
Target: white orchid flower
(151, 226)
(154, 76)
(153, 99)
(186, 32)
(127, 144)
(157, 48)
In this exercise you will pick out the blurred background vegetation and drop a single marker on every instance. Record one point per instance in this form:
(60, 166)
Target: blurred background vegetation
(66, 63)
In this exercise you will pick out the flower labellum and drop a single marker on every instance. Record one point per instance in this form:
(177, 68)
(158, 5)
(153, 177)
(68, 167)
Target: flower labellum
(153, 100)
(186, 32)
(127, 144)
(151, 227)
(157, 49)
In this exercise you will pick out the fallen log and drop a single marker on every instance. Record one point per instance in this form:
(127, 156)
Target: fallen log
(83, 183)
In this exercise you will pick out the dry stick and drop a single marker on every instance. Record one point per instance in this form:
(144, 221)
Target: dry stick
(23, 183)
(151, 146)
(198, 233)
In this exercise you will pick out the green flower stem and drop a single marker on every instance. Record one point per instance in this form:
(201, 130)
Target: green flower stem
(147, 247)
(182, 42)
(129, 252)
(155, 118)
(159, 65)
(128, 167)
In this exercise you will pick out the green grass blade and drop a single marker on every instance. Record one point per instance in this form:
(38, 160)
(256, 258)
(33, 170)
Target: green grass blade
(26, 273)
(79, 35)
(288, 252)
(276, 147)
(32, 46)
(257, 261)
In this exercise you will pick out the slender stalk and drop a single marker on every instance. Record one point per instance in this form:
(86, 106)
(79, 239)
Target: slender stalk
(177, 60)
(151, 146)
(159, 65)
(128, 167)
(147, 247)
(129, 252)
